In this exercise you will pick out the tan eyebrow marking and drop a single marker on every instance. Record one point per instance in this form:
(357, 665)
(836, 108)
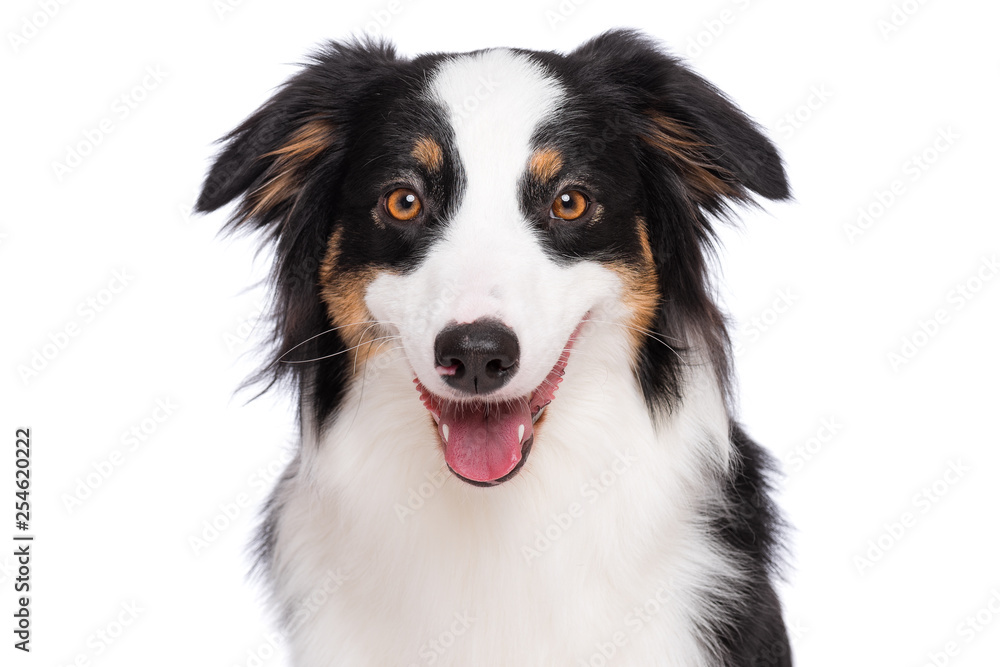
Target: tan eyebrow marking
(428, 153)
(545, 164)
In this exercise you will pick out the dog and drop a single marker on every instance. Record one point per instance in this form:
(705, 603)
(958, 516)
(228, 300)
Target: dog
(492, 300)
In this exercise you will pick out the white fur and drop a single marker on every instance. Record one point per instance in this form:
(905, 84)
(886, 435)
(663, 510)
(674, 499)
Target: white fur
(550, 567)
(489, 264)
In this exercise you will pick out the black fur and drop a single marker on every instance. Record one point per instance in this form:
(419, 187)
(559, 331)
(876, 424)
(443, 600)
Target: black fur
(629, 75)
(618, 82)
(754, 635)
(361, 89)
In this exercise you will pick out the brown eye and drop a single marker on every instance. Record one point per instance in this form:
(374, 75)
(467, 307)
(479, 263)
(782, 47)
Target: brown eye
(403, 204)
(570, 205)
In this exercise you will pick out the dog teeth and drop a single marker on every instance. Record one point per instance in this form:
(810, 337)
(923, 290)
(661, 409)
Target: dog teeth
(520, 432)
(538, 414)
(444, 431)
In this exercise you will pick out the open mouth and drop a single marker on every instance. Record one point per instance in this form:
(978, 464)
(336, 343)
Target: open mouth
(487, 442)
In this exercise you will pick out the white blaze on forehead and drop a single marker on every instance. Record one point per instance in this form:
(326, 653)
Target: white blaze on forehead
(490, 260)
(495, 100)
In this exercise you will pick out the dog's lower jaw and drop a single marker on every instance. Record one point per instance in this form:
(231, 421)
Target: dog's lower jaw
(537, 571)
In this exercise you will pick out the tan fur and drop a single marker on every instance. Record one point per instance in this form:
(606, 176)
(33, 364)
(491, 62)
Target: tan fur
(428, 153)
(641, 294)
(690, 157)
(545, 164)
(343, 292)
(284, 177)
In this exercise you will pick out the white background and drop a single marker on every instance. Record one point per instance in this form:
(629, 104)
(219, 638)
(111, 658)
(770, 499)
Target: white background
(850, 102)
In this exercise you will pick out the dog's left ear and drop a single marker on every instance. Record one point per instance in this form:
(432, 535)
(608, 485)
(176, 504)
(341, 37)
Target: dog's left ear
(717, 151)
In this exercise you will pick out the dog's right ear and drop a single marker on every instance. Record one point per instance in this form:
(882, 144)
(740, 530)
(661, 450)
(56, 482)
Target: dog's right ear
(266, 158)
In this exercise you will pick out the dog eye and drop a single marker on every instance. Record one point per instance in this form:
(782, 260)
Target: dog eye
(570, 205)
(403, 204)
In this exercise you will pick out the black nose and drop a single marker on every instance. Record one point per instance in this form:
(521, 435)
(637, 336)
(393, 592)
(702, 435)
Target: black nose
(477, 358)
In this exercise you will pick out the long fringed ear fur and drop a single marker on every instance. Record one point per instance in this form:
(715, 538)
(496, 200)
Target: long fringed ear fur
(281, 166)
(699, 154)
(717, 150)
(265, 157)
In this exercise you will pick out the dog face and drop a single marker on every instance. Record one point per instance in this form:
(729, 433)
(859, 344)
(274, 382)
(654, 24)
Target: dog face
(479, 211)
(532, 238)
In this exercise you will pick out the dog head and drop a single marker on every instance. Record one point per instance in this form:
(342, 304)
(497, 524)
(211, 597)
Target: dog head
(480, 211)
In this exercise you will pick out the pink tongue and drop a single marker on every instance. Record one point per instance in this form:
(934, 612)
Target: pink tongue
(484, 443)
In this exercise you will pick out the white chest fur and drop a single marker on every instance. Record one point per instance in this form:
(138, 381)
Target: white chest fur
(594, 550)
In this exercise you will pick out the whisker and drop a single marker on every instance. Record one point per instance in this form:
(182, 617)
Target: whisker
(658, 337)
(648, 332)
(378, 350)
(323, 333)
(362, 339)
(306, 361)
(383, 339)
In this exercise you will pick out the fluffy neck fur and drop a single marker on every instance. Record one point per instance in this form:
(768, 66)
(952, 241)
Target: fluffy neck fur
(538, 558)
